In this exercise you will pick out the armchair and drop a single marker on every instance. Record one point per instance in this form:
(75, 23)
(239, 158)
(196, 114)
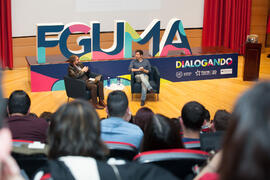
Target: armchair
(76, 88)
(154, 80)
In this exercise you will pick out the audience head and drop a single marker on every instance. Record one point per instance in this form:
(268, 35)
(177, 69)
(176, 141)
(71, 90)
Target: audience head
(46, 115)
(143, 117)
(33, 114)
(177, 124)
(161, 134)
(221, 120)
(75, 131)
(246, 147)
(19, 102)
(117, 104)
(207, 116)
(193, 115)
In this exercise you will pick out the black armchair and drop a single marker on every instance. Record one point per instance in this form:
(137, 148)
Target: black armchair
(154, 80)
(76, 88)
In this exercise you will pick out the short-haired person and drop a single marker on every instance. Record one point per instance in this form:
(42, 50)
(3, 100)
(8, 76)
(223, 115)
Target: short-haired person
(76, 150)
(116, 127)
(192, 119)
(9, 169)
(22, 125)
(221, 120)
(78, 71)
(141, 68)
(161, 133)
(246, 147)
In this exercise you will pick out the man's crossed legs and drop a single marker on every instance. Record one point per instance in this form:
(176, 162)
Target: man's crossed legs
(144, 80)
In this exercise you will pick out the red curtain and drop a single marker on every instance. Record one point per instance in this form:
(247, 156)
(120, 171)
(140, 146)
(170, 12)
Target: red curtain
(226, 23)
(6, 55)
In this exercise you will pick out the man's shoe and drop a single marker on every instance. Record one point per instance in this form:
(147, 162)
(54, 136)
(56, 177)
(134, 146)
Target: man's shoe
(142, 103)
(102, 103)
(152, 91)
(97, 106)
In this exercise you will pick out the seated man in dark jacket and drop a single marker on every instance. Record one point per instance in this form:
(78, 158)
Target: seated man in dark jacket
(78, 71)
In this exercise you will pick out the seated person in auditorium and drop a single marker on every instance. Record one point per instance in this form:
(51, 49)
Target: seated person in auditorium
(78, 71)
(8, 166)
(193, 117)
(207, 125)
(116, 127)
(141, 67)
(221, 120)
(22, 125)
(143, 117)
(76, 155)
(212, 141)
(46, 115)
(161, 133)
(246, 147)
(177, 124)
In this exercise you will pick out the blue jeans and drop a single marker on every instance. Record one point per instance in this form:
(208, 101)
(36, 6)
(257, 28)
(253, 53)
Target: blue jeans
(144, 80)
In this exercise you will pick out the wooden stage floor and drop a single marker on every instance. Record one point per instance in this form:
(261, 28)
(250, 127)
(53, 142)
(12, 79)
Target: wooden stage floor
(213, 94)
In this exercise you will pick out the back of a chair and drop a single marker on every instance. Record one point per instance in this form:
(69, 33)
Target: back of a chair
(120, 150)
(29, 159)
(19, 142)
(30, 163)
(196, 145)
(155, 77)
(211, 141)
(178, 161)
(75, 88)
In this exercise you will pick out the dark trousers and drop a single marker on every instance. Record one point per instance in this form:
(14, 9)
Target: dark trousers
(96, 90)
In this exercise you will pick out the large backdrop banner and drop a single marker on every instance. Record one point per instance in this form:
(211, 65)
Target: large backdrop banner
(172, 69)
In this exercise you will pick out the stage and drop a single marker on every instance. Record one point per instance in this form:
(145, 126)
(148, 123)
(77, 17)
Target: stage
(204, 63)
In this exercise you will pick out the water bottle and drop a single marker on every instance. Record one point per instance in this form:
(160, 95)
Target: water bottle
(108, 81)
(118, 81)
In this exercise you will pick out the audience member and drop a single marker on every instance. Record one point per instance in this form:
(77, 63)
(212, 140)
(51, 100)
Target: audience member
(143, 117)
(22, 125)
(206, 127)
(46, 115)
(192, 119)
(9, 169)
(75, 150)
(245, 153)
(33, 114)
(177, 124)
(161, 134)
(212, 141)
(116, 127)
(221, 120)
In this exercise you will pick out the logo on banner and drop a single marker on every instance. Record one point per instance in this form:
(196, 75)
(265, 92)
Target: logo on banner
(179, 74)
(226, 71)
(174, 38)
(203, 63)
